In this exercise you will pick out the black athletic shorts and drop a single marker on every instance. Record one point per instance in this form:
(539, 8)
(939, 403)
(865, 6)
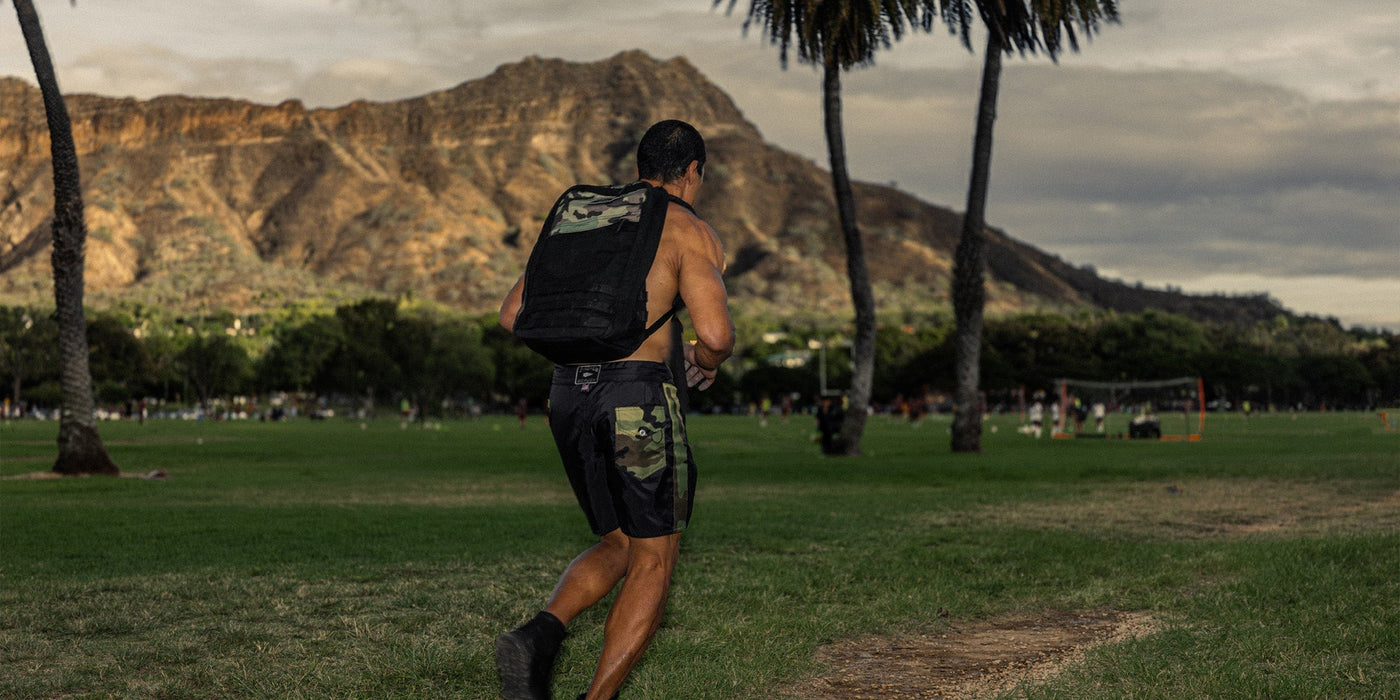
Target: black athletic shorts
(621, 435)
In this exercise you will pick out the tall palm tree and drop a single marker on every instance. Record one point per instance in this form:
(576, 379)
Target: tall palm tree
(80, 448)
(839, 35)
(1025, 26)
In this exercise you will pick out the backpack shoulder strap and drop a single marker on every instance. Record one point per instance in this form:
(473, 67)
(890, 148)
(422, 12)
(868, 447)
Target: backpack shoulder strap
(677, 305)
(670, 314)
(681, 202)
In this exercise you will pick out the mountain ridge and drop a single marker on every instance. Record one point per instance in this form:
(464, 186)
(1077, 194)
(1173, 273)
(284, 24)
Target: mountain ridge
(201, 203)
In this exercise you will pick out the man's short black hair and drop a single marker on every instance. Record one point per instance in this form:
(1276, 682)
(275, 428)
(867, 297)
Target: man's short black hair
(667, 149)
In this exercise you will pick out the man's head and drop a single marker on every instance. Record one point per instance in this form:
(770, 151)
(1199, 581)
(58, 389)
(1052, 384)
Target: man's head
(667, 150)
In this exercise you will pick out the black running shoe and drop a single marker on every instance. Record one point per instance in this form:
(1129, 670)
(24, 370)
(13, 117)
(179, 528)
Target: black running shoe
(525, 658)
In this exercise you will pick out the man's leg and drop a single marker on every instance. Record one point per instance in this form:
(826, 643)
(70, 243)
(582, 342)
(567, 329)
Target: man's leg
(589, 577)
(525, 656)
(636, 612)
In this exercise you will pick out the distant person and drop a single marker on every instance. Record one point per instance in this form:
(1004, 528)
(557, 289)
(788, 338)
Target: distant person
(1037, 417)
(637, 499)
(1099, 415)
(830, 415)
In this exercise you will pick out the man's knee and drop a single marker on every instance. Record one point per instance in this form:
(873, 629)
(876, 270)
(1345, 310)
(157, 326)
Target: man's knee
(615, 538)
(617, 545)
(652, 554)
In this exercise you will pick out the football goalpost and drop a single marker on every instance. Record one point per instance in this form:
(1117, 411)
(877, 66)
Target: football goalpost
(1164, 409)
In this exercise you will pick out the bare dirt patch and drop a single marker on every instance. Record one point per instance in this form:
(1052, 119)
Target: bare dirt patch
(981, 658)
(971, 659)
(1200, 509)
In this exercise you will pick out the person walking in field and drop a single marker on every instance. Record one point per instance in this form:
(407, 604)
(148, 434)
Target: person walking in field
(620, 431)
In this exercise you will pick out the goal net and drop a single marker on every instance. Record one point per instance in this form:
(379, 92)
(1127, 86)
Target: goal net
(1164, 409)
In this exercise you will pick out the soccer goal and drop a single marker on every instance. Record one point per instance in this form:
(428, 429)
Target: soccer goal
(1164, 409)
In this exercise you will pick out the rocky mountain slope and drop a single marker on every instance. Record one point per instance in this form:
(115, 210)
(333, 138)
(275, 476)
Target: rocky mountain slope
(224, 204)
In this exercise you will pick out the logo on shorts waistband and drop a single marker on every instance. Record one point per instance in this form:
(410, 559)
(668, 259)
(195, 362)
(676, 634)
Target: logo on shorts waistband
(587, 374)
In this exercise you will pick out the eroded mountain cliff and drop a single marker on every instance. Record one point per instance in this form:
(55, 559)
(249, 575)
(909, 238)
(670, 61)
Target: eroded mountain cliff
(224, 204)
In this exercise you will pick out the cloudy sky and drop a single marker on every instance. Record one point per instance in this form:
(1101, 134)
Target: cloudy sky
(1251, 146)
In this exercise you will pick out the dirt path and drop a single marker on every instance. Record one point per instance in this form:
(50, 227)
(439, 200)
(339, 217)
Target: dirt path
(976, 659)
(969, 660)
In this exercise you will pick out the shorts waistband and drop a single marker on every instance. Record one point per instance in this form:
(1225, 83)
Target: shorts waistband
(627, 371)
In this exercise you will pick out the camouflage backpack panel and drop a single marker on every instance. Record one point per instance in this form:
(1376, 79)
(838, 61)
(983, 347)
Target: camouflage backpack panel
(588, 211)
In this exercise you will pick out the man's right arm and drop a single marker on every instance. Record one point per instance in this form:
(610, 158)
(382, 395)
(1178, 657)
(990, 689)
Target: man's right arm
(702, 290)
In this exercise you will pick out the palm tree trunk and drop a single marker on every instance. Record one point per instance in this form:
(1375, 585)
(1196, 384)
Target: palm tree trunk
(863, 351)
(969, 264)
(80, 448)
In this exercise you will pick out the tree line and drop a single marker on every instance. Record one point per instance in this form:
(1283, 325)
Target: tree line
(837, 36)
(379, 352)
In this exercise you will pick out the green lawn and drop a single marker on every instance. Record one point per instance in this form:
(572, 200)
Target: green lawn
(334, 559)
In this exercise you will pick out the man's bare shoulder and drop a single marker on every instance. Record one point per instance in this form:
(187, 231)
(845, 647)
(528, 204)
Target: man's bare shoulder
(691, 235)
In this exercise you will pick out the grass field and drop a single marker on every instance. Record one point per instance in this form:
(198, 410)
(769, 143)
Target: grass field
(335, 560)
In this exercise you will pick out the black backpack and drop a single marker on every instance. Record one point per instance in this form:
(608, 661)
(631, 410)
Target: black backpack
(585, 298)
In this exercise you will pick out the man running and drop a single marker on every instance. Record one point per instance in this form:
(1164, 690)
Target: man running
(622, 439)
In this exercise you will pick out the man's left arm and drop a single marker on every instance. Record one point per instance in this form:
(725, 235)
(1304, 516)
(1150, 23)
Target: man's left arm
(510, 307)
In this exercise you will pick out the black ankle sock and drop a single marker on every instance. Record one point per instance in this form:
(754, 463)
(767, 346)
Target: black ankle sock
(549, 626)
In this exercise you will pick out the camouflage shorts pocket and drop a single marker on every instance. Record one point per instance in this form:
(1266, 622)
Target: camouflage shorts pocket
(639, 441)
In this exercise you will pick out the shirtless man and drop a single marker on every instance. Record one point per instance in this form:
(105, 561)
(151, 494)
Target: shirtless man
(637, 502)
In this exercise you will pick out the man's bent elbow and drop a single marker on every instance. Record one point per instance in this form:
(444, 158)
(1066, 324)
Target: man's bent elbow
(507, 314)
(718, 342)
(510, 306)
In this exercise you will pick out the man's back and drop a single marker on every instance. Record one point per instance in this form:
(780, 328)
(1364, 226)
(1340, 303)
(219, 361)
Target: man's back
(689, 262)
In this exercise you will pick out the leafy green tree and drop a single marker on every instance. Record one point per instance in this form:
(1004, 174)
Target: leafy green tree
(1043, 348)
(163, 350)
(897, 350)
(930, 369)
(519, 371)
(773, 382)
(80, 448)
(362, 363)
(458, 363)
(838, 35)
(300, 353)
(215, 365)
(409, 343)
(119, 361)
(1382, 362)
(1025, 26)
(1150, 345)
(27, 339)
(1335, 381)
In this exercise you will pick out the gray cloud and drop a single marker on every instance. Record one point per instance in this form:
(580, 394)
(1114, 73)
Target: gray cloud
(1154, 173)
(1259, 145)
(147, 71)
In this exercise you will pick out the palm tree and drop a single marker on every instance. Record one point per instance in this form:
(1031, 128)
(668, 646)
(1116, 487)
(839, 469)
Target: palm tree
(1026, 26)
(80, 448)
(839, 35)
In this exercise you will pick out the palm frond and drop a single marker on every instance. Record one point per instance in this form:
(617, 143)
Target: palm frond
(844, 32)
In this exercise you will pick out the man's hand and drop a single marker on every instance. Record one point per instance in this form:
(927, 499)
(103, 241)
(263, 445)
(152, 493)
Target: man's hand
(695, 375)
